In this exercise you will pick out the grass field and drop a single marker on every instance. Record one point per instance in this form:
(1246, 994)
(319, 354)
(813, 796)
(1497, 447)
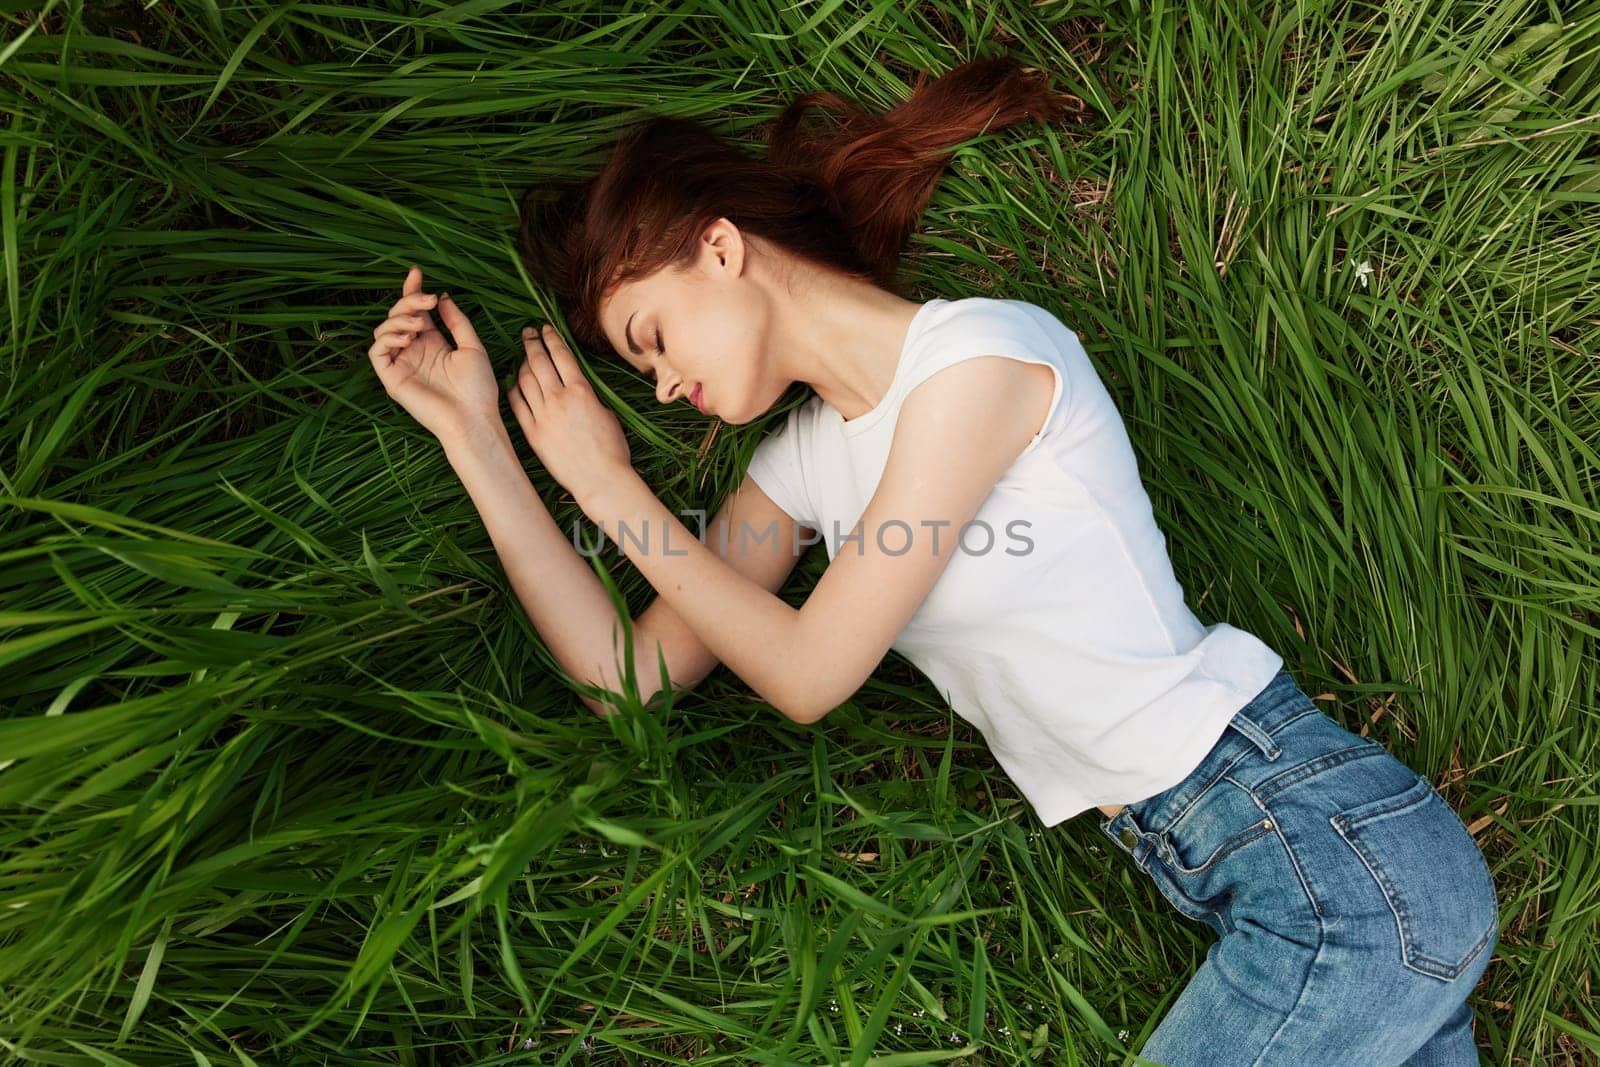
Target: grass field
(285, 777)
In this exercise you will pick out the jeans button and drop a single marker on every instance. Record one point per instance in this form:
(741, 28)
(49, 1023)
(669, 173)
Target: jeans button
(1129, 838)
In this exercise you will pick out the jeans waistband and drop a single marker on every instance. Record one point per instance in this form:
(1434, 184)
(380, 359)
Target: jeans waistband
(1138, 827)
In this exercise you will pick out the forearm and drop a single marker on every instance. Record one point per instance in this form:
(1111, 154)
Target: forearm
(749, 629)
(563, 597)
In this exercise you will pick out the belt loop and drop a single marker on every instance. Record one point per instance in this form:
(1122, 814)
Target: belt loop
(1133, 839)
(1258, 737)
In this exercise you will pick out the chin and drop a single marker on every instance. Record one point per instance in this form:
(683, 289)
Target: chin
(740, 416)
(723, 416)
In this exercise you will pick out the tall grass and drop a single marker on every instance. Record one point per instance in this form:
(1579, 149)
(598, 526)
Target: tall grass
(285, 774)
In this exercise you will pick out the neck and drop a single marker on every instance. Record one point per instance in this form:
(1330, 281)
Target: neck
(843, 337)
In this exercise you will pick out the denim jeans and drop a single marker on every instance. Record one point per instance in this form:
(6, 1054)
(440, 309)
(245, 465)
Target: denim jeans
(1353, 909)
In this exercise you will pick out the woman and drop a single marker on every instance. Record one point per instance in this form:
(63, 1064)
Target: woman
(1354, 911)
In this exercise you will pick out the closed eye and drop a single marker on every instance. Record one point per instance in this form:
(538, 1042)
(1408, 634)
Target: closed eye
(660, 349)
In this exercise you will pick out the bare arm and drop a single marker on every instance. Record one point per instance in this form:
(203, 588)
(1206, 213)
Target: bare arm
(688, 658)
(564, 599)
(453, 393)
(957, 434)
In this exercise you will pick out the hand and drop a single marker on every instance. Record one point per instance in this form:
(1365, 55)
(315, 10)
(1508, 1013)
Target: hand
(576, 437)
(451, 392)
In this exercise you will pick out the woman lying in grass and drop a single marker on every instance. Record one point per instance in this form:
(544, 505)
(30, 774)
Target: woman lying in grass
(983, 514)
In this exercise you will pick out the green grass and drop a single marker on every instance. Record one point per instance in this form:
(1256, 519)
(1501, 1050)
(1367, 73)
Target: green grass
(286, 774)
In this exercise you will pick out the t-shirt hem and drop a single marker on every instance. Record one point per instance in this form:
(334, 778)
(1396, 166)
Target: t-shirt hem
(1231, 697)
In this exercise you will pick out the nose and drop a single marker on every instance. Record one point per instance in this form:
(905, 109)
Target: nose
(668, 389)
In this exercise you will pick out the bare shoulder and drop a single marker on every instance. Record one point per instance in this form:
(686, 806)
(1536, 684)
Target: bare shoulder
(978, 414)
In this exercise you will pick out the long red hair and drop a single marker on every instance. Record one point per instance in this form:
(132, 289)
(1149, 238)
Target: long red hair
(844, 198)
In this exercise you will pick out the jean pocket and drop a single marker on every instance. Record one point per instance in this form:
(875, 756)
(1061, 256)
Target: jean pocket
(1224, 819)
(1432, 874)
(1196, 849)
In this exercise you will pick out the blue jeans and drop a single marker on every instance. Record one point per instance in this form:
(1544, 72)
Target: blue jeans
(1354, 911)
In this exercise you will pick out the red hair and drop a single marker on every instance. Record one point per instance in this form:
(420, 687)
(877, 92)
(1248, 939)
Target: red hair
(844, 199)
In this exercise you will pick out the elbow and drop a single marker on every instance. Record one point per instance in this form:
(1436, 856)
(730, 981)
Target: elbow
(793, 707)
(793, 702)
(822, 677)
(808, 708)
(816, 714)
(798, 714)
(810, 697)
(807, 699)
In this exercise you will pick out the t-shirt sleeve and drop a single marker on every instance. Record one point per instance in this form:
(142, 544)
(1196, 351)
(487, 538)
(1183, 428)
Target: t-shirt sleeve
(778, 468)
(998, 328)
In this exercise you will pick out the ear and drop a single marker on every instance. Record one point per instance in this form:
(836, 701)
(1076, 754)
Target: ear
(722, 247)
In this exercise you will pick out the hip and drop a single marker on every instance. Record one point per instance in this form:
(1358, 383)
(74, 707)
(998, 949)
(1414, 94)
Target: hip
(1293, 823)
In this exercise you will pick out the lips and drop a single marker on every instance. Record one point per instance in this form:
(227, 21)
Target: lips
(695, 399)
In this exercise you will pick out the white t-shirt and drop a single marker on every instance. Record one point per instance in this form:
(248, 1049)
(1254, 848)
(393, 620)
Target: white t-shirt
(1057, 627)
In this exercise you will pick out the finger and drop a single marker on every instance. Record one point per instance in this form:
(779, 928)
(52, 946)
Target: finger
(382, 355)
(520, 411)
(528, 380)
(456, 322)
(414, 299)
(391, 346)
(413, 302)
(565, 363)
(538, 363)
(414, 323)
(391, 327)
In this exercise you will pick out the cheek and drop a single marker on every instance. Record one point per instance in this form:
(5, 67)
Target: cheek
(730, 346)
(740, 326)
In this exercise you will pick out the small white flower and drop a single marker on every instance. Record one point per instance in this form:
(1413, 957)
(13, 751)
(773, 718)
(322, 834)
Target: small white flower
(1122, 1035)
(1363, 269)
(527, 1044)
